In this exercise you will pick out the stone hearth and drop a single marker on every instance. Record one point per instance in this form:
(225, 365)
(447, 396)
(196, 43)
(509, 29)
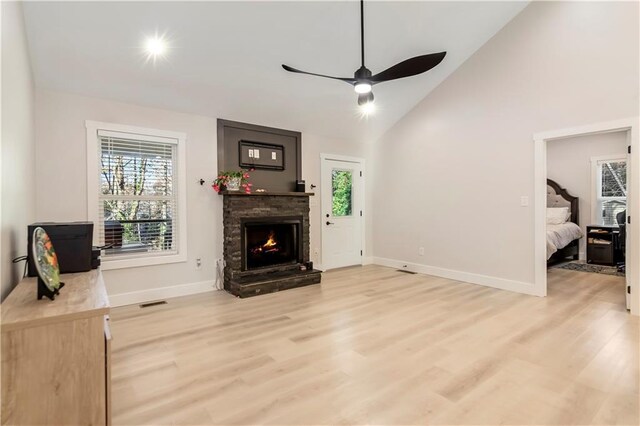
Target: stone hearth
(240, 207)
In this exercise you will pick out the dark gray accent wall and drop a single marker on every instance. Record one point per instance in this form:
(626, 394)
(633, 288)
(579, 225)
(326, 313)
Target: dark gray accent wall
(230, 133)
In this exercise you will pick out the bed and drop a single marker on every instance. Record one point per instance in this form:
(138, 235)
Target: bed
(563, 234)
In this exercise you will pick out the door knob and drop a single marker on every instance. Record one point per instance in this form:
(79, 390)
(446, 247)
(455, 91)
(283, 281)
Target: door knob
(330, 223)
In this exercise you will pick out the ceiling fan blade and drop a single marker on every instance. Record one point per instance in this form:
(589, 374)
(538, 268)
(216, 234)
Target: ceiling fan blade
(346, 80)
(413, 66)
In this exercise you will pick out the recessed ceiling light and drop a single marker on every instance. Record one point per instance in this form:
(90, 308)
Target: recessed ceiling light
(156, 46)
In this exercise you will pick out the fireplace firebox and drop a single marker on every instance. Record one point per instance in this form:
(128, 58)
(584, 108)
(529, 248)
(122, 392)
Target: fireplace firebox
(270, 242)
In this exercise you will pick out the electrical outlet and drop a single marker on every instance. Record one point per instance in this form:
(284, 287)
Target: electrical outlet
(421, 251)
(524, 201)
(198, 263)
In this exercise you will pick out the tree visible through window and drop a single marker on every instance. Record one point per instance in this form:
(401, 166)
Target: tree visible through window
(341, 181)
(612, 190)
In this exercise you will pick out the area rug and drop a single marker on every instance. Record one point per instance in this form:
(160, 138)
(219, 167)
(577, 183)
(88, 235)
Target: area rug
(582, 266)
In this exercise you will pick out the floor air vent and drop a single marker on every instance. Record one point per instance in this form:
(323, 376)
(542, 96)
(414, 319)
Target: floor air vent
(159, 302)
(407, 272)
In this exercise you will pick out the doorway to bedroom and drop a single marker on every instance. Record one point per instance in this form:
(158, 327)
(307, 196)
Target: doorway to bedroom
(584, 214)
(586, 195)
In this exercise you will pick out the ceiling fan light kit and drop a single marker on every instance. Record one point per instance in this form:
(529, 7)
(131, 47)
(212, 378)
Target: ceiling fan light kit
(363, 87)
(365, 98)
(363, 80)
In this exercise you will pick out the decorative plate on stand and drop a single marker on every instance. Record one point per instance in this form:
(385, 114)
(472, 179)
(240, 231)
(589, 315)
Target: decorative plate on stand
(46, 262)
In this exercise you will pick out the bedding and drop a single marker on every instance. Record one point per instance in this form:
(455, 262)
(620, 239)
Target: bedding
(557, 215)
(558, 236)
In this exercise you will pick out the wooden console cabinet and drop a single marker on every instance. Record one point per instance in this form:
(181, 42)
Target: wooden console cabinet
(55, 354)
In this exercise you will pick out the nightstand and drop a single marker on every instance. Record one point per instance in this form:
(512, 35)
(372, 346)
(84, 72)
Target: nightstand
(602, 244)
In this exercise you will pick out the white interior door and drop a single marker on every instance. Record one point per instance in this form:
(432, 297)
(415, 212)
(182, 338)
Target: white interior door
(627, 275)
(342, 200)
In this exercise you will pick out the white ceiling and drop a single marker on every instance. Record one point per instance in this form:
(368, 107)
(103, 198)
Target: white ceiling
(225, 57)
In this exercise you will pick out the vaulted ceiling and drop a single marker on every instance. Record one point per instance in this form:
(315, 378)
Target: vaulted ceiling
(224, 57)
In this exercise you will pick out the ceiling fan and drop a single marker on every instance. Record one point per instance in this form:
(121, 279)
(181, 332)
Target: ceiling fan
(363, 80)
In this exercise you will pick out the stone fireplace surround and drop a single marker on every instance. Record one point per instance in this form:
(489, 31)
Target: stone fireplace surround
(238, 206)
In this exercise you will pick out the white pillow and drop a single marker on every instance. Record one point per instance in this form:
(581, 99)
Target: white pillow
(557, 215)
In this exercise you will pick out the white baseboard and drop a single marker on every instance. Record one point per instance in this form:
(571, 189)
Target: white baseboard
(161, 293)
(485, 280)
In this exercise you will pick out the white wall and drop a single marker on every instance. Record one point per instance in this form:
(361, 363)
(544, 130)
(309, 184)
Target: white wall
(62, 187)
(18, 177)
(450, 174)
(569, 164)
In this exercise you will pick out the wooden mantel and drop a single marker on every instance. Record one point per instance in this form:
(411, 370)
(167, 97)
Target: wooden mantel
(279, 194)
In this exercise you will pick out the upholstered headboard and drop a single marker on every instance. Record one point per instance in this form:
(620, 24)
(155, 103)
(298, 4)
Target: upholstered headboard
(559, 197)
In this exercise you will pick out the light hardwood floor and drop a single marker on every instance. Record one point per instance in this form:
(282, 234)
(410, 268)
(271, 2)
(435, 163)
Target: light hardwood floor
(375, 346)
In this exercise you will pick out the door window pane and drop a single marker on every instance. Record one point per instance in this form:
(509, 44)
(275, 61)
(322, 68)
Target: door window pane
(341, 184)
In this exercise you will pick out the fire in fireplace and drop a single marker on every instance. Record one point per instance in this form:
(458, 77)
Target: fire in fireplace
(270, 242)
(270, 246)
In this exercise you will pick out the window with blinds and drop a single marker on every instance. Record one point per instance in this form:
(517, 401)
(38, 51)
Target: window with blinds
(138, 203)
(611, 190)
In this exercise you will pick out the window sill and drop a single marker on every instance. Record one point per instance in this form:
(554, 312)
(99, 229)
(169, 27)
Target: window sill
(107, 264)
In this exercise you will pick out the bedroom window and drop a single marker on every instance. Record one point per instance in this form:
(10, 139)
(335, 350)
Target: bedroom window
(136, 195)
(611, 189)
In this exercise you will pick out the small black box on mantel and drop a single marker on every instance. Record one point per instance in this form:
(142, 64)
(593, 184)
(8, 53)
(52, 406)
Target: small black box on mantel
(300, 186)
(72, 242)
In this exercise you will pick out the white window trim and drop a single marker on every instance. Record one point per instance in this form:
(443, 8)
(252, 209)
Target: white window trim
(93, 189)
(595, 183)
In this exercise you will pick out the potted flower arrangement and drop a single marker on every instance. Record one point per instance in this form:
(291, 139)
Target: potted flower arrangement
(232, 181)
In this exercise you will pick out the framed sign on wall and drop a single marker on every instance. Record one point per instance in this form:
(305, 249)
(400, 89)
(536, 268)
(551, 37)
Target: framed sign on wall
(260, 155)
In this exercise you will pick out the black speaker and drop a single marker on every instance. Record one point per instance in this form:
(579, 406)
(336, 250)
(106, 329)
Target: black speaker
(300, 186)
(72, 242)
